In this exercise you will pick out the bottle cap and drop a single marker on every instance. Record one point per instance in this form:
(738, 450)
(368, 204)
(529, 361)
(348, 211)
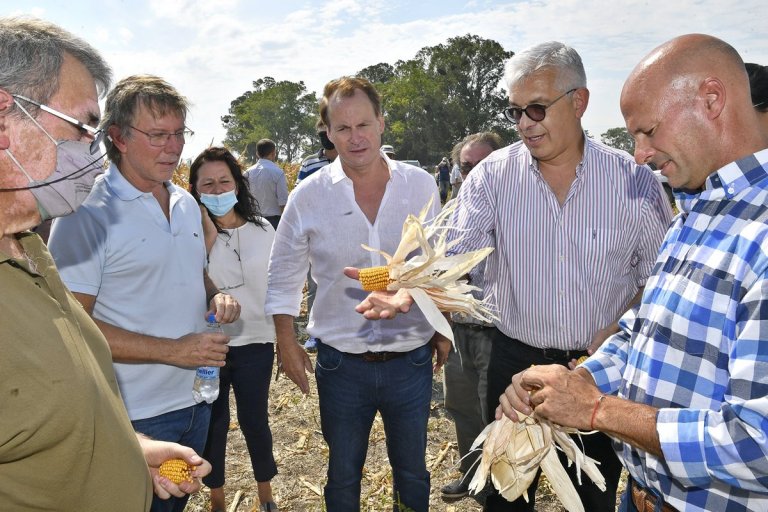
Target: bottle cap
(212, 318)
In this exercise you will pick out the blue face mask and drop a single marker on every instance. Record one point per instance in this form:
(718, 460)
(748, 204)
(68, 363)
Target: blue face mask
(219, 204)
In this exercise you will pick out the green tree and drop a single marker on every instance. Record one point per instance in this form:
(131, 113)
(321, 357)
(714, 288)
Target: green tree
(619, 138)
(443, 94)
(282, 111)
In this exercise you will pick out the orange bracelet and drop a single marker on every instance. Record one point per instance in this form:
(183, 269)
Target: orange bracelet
(594, 411)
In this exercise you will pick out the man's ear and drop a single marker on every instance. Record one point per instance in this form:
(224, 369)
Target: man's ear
(116, 136)
(580, 101)
(6, 104)
(712, 90)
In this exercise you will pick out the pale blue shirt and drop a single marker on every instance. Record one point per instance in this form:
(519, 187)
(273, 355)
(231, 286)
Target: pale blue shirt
(266, 181)
(323, 225)
(146, 275)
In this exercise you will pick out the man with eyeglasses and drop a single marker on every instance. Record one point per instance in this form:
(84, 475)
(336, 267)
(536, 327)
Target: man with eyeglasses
(66, 442)
(134, 256)
(576, 226)
(466, 371)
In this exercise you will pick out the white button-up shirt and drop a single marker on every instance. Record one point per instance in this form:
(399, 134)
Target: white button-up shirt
(323, 225)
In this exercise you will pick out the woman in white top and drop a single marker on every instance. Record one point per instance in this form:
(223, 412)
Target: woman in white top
(239, 241)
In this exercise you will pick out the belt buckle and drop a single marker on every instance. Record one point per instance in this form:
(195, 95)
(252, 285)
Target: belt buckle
(374, 357)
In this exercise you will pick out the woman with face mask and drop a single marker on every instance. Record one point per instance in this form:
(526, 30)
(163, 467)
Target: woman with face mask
(239, 242)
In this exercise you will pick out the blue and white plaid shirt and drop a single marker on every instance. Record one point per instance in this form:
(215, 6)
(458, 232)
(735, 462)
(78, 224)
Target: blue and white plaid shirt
(697, 349)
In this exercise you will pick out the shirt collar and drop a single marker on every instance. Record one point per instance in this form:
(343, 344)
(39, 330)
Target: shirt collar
(533, 164)
(122, 187)
(338, 174)
(728, 181)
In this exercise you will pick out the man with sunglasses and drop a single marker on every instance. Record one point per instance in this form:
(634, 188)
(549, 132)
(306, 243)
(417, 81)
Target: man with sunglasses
(134, 256)
(66, 442)
(575, 225)
(682, 386)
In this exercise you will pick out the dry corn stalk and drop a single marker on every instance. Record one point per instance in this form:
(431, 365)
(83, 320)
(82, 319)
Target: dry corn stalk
(432, 278)
(513, 452)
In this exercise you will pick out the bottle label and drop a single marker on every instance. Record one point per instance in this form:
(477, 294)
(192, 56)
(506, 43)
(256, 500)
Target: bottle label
(208, 372)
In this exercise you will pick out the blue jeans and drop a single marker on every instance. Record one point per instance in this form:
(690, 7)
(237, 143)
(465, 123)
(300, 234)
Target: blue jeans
(350, 392)
(188, 427)
(249, 372)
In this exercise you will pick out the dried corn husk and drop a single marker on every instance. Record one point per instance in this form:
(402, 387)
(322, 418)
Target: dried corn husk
(432, 278)
(513, 452)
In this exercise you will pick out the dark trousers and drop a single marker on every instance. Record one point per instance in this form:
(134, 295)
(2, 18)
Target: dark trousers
(510, 356)
(249, 372)
(274, 220)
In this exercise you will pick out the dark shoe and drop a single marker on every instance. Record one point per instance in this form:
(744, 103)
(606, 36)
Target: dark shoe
(269, 507)
(311, 345)
(456, 489)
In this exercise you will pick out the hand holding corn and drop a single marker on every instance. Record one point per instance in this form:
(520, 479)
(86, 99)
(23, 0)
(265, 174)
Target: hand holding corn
(189, 467)
(433, 279)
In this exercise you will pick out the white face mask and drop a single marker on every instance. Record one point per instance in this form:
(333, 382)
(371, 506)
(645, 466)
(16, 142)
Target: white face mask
(66, 188)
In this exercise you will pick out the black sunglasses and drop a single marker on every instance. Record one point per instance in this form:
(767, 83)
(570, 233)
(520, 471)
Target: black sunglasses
(534, 111)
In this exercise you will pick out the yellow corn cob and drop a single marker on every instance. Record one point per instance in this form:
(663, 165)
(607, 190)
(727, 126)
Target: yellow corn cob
(582, 359)
(374, 278)
(176, 470)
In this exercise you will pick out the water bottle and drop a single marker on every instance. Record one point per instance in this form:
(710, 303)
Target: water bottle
(206, 385)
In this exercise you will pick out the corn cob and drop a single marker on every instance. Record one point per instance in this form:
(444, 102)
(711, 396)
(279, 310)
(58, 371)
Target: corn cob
(374, 278)
(582, 359)
(176, 470)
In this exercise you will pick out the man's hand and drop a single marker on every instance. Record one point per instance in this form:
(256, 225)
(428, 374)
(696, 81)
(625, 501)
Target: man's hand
(598, 339)
(441, 346)
(381, 305)
(201, 349)
(553, 392)
(226, 308)
(157, 452)
(291, 356)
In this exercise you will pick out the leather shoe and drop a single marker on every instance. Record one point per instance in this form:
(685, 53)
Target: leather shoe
(456, 489)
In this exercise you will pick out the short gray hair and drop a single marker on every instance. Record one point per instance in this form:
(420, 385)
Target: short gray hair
(32, 53)
(552, 54)
(123, 102)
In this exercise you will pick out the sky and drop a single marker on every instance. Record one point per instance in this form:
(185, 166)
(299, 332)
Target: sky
(213, 50)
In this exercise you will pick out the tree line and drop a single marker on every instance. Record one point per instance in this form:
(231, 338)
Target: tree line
(430, 102)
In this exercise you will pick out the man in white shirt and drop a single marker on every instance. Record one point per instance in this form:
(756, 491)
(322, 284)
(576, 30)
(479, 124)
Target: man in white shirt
(363, 366)
(267, 182)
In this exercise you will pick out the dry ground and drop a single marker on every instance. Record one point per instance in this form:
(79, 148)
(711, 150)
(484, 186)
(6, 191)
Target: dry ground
(301, 456)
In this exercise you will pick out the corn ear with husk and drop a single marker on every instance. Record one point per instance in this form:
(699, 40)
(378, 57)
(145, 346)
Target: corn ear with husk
(512, 453)
(433, 278)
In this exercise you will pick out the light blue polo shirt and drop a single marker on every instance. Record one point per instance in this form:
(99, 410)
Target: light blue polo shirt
(146, 275)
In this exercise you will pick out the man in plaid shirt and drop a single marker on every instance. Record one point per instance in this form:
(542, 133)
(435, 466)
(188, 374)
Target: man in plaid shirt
(683, 387)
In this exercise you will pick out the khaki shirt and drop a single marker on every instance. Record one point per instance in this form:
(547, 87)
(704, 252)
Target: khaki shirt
(65, 439)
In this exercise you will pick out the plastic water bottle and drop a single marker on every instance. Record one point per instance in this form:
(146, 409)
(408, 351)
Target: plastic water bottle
(207, 377)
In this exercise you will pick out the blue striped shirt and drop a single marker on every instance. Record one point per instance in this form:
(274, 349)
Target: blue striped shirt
(697, 349)
(559, 273)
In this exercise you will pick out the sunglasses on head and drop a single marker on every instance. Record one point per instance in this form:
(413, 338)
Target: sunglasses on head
(534, 111)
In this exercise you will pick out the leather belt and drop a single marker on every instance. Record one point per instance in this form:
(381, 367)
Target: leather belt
(377, 357)
(557, 355)
(474, 327)
(645, 501)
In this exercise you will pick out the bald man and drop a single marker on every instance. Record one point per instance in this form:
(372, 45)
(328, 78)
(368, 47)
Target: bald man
(683, 386)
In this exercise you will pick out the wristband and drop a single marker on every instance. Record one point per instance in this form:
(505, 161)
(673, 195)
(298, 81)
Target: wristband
(594, 411)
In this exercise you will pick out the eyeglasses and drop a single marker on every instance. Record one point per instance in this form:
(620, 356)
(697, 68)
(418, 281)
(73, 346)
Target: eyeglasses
(534, 111)
(239, 259)
(465, 167)
(160, 139)
(98, 135)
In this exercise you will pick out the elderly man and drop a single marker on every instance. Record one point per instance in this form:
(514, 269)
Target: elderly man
(62, 415)
(267, 182)
(682, 386)
(466, 372)
(362, 366)
(134, 256)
